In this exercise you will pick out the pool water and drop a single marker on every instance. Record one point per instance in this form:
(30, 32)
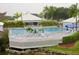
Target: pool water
(45, 30)
(53, 30)
(18, 31)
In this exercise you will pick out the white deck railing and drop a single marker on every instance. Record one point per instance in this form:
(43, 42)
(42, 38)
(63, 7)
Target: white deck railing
(31, 40)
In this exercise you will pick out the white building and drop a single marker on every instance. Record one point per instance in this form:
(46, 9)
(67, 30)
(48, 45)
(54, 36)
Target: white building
(71, 22)
(1, 26)
(30, 19)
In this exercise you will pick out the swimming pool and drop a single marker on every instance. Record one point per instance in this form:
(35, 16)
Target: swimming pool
(17, 31)
(21, 31)
(53, 30)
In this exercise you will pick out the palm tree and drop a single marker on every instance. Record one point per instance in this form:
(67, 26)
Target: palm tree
(73, 12)
(17, 15)
(76, 15)
(48, 12)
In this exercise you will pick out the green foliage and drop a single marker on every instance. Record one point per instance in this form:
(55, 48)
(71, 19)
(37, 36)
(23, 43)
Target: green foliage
(73, 50)
(6, 18)
(61, 50)
(17, 15)
(2, 44)
(4, 41)
(73, 11)
(61, 13)
(3, 17)
(5, 36)
(72, 38)
(68, 39)
(29, 29)
(48, 12)
(49, 23)
(57, 13)
(13, 24)
(76, 45)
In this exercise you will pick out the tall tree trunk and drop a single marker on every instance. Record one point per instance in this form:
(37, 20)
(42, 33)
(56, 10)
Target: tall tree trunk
(76, 16)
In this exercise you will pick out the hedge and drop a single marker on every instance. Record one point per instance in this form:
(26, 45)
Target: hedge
(72, 38)
(13, 24)
(4, 41)
(48, 23)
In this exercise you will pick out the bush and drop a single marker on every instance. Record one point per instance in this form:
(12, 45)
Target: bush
(5, 36)
(49, 23)
(2, 45)
(13, 24)
(68, 39)
(72, 38)
(76, 45)
(29, 29)
(4, 41)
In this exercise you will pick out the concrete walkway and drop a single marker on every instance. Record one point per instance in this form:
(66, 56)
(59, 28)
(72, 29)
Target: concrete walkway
(36, 40)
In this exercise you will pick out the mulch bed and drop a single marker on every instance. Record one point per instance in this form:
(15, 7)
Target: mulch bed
(68, 45)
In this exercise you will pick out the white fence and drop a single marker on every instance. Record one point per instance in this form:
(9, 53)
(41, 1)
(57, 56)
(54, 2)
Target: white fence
(33, 44)
(23, 41)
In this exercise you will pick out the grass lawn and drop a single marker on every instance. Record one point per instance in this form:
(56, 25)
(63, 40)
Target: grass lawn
(59, 49)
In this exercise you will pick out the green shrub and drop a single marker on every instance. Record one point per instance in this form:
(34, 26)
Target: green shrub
(4, 41)
(29, 29)
(48, 23)
(13, 24)
(68, 39)
(72, 38)
(5, 36)
(2, 45)
(76, 45)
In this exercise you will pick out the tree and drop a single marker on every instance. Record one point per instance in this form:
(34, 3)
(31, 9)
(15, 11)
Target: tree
(61, 13)
(4, 17)
(49, 23)
(54, 13)
(48, 12)
(2, 45)
(73, 12)
(7, 18)
(17, 15)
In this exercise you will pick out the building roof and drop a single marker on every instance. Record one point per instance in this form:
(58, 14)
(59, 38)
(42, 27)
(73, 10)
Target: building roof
(70, 20)
(29, 18)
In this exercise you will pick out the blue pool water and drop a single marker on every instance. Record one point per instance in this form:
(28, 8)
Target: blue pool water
(22, 30)
(18, 31)
(53, 30)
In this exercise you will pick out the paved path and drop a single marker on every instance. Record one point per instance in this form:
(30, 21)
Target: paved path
(40, 40)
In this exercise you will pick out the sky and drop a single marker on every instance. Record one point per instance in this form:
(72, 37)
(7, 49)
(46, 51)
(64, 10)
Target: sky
(12, 8)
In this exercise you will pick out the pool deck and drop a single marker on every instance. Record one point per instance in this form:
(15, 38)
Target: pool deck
(38, 37)
(36, 40)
